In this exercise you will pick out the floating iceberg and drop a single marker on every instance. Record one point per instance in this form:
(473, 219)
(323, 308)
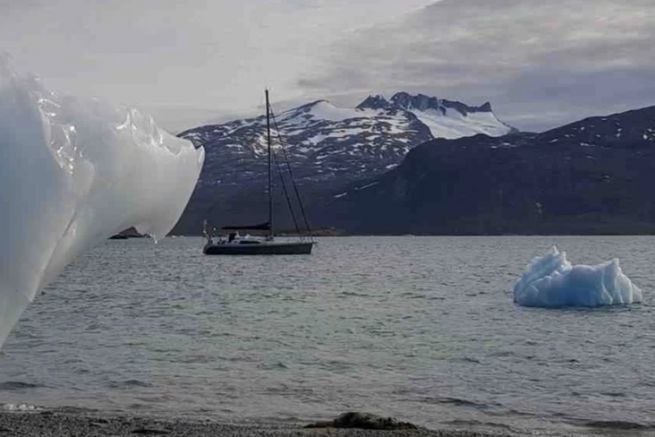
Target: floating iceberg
(551, 282)
(72, 173)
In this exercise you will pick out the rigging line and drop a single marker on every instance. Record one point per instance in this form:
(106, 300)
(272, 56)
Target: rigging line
(270, 179)
(211, 208)
(286, 193)
(293, 181)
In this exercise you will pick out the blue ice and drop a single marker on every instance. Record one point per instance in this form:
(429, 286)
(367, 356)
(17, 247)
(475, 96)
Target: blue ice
(550, 281)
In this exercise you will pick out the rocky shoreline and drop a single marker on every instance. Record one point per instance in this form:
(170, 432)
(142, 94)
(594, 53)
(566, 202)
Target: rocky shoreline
(66, 424)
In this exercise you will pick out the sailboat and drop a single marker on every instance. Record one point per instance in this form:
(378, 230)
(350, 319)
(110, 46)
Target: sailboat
(234, 244)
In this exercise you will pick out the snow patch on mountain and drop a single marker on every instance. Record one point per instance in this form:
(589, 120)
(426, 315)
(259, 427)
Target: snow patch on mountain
(452, 124)
(446, 118)
(324, 110)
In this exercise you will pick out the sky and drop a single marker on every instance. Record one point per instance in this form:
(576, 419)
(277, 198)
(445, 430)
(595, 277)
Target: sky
(540, 63)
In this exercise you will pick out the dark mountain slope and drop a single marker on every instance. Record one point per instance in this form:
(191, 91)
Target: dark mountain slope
(593, 176)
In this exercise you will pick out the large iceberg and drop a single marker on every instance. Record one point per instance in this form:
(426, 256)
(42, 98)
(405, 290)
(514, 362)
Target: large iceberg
(552, 282)
(72, 173)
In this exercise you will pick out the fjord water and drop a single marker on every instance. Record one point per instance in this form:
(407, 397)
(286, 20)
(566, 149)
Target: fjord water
(421, 328)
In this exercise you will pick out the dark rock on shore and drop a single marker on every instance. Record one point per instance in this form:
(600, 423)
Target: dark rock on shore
(363, 421)
(619, 425)
(67, 424)
(150, 431)
(127, 234)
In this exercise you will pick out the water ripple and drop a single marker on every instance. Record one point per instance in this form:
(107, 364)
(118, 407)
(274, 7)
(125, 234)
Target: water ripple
(419, 328)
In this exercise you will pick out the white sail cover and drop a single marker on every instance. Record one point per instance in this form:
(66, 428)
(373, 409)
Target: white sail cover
(72, 173)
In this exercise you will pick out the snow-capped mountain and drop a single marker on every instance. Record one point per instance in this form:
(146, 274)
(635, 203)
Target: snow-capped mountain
(329, 145)
(444, 118)
(325, 140)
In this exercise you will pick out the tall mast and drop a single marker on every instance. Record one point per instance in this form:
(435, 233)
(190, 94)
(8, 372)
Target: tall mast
(270, 180)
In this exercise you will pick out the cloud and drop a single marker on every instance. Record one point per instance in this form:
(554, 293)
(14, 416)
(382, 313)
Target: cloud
(540, 63)
(196, 54)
